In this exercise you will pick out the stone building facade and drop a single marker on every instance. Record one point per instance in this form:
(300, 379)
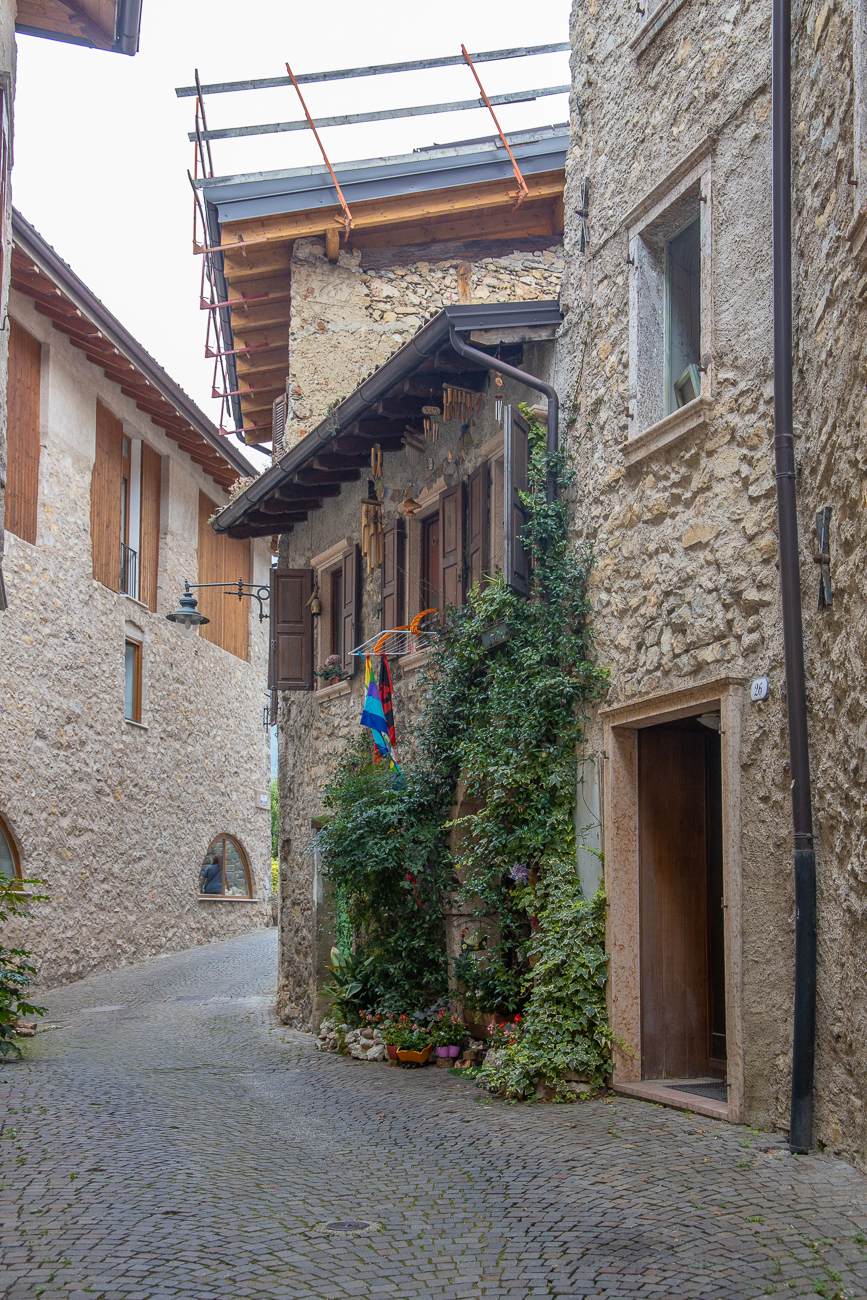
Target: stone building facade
(128, 750)
(678, 495)
(113, 26)
(349, 316)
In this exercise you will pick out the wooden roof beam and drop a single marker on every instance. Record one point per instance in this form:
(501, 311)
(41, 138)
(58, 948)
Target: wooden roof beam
(399, 210)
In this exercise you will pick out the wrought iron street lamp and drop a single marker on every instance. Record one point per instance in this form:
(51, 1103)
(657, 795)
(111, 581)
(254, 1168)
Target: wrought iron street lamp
(187, 616)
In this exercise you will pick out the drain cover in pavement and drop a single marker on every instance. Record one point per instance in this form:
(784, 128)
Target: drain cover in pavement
(347, 1225)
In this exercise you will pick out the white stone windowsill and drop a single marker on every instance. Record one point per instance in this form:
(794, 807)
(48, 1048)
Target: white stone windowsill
(141, 726)
(693, 418)
(409, 663)
(332, 692)
(225, 898)
(653, 25)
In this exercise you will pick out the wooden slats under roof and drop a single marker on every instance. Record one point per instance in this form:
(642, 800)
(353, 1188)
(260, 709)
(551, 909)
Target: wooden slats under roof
(102, 24)
(93, 334)
(338, 450)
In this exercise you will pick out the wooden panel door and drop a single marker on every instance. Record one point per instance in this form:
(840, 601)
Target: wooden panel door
(393, 574)
(477, 525)
(224, 560)
(672, 847)
(149, 546)
(291, 630)
(106, 492)
(452, 509)
(22, 430)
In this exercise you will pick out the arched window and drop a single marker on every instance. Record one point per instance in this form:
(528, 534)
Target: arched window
(225, 873)
(10, 864)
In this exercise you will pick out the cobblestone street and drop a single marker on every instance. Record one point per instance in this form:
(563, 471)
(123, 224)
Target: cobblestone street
(169, 1139)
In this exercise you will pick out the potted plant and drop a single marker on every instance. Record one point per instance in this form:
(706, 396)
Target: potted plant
(395, 1032)
(448, 1033)
(331, 670)
(416, 1046)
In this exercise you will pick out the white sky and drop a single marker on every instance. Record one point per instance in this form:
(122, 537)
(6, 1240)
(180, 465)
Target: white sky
(101, 149)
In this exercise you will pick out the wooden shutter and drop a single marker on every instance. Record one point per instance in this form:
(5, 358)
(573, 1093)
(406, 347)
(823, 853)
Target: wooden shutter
(393, 574)
(477, 525)
(223, 559)
(291, 630)
(452, 546)
(149, 546)
(516, 558)
(105, 498)
(351, 611)
(22, 431)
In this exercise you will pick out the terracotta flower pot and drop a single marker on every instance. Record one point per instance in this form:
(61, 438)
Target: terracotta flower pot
(418, 1058)
(391, 1048)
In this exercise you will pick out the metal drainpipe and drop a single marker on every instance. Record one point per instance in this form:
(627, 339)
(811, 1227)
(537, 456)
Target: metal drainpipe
(491, 363)
(804, 1020)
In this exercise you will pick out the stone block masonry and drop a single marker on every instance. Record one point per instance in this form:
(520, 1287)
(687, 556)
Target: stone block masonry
(686, 585)
(116, 817)
(348, 318)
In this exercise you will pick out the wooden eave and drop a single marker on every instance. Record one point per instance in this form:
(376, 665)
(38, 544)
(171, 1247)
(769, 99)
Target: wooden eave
(257, 257)
(346, 458)
(33, 283)
(90, 21)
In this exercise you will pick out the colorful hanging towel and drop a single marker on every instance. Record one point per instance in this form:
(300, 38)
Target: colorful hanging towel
(373, 716)
(385, 695)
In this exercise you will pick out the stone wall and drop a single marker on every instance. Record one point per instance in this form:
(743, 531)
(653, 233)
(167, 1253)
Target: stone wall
(831, 364)
(686, 585)
(7, 71)
(114, 817)
(349, 317)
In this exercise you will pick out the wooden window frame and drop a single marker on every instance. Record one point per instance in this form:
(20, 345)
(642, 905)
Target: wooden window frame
(212, 848)
(324, 624)
(668, 209)
(16, 856)
(137, 678)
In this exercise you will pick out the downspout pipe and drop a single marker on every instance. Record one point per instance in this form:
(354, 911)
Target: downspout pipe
(522, 377)
(804, 1020)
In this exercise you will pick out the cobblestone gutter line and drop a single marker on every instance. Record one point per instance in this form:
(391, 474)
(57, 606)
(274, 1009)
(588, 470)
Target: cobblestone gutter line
(170, 1140)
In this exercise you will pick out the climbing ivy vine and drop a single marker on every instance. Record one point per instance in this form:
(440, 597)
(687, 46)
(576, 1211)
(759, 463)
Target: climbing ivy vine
(501, 726)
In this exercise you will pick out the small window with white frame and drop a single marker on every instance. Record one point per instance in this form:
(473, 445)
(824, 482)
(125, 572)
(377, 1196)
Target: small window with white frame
(670, 305)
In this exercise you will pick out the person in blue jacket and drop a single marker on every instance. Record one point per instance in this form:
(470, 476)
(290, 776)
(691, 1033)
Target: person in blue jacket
(212, 875)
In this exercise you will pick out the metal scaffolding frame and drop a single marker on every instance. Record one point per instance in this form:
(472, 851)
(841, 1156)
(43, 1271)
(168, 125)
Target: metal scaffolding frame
(213, 294)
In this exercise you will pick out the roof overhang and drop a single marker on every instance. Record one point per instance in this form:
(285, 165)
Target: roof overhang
(378, 411)
(447, 194)
(56, 291)
(98, 24)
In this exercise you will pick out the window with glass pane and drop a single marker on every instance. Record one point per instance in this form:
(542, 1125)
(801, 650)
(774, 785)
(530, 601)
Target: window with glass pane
(9, 865)
(224, 872)
(132, 682)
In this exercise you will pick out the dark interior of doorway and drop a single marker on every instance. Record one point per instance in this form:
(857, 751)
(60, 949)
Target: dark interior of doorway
(681, 900)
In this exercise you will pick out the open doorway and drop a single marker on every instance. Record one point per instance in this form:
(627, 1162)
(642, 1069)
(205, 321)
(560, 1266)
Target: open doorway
(681, 916)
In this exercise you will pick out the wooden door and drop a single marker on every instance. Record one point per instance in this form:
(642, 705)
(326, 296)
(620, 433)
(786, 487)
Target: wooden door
(673, 874)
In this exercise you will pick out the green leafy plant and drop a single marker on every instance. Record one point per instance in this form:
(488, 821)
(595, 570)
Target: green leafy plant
(564, 1028)
(17, 973)
(275, 820)
(348, 987)
(447, 1031)
(385, 850)
(502, 725)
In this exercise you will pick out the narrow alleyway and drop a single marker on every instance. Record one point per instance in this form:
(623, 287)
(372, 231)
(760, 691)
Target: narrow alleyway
(168, 1139)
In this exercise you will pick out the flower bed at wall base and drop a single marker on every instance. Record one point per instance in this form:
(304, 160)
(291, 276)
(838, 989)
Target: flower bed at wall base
(505, 722)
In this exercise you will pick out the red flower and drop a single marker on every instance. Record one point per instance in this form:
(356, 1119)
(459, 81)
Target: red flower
(517, 1020)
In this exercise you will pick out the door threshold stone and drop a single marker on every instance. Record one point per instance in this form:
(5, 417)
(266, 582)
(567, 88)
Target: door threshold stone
(665, 1093)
